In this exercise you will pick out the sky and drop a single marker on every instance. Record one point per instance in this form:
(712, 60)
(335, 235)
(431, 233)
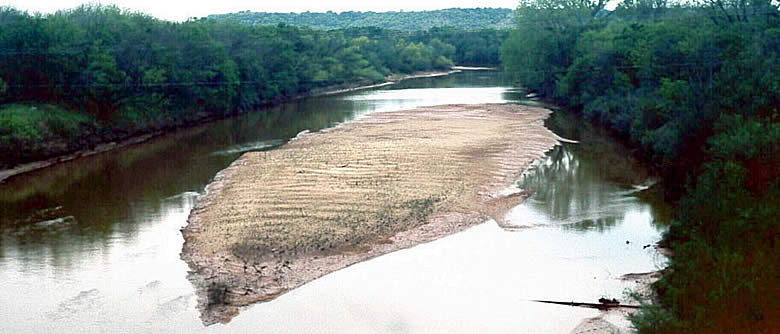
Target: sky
(177, 10)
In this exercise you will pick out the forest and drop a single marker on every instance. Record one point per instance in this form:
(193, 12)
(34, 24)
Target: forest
(76, 78)
(462, 18)
(695, 88)
(480, 47)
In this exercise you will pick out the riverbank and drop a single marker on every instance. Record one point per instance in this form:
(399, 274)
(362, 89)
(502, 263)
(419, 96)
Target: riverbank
(474, 68)
(275, 220)
(390, 80)
(87, 146)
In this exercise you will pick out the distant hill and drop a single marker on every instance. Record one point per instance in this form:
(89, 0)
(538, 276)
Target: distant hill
(464, 18)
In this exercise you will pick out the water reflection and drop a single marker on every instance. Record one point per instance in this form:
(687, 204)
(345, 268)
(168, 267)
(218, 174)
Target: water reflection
(571, 192)
(102, 193)
(93, 245)
(465, 79)
(599, 225)
(588, 186)
(113, 191)
(79, 240)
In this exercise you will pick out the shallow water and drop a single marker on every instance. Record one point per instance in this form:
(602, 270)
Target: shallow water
(93, 245)
(572, 241)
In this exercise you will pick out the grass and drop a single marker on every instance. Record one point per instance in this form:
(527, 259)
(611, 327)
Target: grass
(39, 121)
(28, 131)
(35, 131)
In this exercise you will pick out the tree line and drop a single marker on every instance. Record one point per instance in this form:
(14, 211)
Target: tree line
(97, 73)
(695, 86)
(479, 47)
(461, 18)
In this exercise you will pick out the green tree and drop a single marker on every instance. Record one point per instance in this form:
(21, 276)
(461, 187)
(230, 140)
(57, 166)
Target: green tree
(103, 82)
(3, 89)
(541, 48)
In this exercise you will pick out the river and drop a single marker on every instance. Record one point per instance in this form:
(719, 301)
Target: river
(93, 245)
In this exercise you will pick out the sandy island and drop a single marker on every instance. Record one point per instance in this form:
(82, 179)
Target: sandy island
(273, 221)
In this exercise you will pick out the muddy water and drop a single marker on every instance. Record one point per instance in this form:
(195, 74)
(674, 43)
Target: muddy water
(93, 245)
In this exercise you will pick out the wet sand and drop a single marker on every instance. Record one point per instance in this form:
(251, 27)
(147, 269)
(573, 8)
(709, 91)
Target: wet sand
(276, 220)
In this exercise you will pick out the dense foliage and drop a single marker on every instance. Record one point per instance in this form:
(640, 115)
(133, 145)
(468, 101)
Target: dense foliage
(92, 74)
(463, 18)
(471, 47)
(697, 88)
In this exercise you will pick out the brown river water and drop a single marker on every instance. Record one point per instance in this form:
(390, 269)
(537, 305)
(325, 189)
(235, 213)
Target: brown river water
(92, 245)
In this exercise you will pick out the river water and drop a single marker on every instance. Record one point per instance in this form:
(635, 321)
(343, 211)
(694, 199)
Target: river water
(93, 245)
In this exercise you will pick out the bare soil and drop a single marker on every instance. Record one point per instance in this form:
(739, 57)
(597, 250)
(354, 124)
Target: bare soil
(275, 220)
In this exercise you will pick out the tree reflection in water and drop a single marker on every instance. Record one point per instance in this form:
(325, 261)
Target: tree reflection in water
(576, 189)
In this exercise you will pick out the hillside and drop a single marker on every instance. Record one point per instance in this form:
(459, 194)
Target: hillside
(465, 18)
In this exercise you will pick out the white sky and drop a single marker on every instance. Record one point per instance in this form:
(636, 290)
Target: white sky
(178, 10)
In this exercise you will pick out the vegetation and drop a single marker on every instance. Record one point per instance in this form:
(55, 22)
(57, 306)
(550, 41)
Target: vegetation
(696, 87)
(462, 18)
(95, 74)
(471, 47)
(25, 128)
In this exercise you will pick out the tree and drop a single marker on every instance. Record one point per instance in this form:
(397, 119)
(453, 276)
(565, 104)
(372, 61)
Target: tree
(3, 89)
(541, 48)
(735, 11)
(104, 84)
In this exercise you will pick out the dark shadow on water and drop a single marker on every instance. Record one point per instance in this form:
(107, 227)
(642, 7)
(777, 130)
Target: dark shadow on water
(588, 186)
(110, 196)
(598, 225)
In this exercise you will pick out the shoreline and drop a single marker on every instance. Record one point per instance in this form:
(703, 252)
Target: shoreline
(5, 174)
(474, 68)
(615, 320)
(391, 81)
(230, 271)
(103, 147)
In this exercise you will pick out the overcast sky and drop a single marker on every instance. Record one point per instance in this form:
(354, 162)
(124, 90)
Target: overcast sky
(178, 10)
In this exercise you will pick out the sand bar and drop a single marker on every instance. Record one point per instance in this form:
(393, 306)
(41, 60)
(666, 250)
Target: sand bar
(275, 220)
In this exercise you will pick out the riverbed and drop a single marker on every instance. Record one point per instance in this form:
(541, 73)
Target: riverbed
(93, 245)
